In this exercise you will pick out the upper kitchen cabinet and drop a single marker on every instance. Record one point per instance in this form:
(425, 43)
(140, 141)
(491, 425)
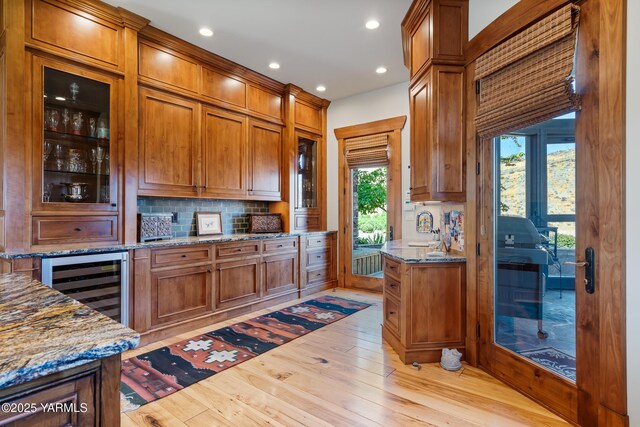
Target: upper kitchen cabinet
(434, 33)
(74, 154)
(169, 144)
(265, 161)
(224, 153)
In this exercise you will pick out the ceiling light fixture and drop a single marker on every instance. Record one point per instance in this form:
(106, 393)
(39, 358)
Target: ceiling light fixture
(321, 88)
(206, 32)
(381, 70)
(274, 65)
(60, 98)
(372, 24)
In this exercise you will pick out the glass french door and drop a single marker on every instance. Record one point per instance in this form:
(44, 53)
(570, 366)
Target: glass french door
(368, 229)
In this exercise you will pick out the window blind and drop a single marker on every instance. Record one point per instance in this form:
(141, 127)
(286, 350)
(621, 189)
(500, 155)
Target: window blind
(529, 78)
(367, 150)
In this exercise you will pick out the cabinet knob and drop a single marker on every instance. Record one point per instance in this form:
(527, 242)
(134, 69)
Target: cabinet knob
(183, 255)
(392, 312)
(113, 205)
(393, 285)
(209, 271)
(77, 229)
(280, 246)
(410, 188)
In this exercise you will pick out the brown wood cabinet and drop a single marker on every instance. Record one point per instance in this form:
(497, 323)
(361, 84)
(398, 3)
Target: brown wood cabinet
(168, 145)
(224, 153)
(89, 393)
(424, 308)
(265, 160)
(434, 33)
(318, 264)
(237, 282)
(280, 266)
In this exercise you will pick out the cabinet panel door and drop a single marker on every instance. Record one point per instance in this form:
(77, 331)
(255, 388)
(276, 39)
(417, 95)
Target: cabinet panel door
(422, 42)
(437, 305)
(265, 154)
(224, 147)
(168, 144)
(75, 392)
(448, 177)
(280, 273)
(180, 293)
(237, 282)
(420, 107)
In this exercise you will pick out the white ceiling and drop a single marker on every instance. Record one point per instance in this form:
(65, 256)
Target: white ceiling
(316, 42)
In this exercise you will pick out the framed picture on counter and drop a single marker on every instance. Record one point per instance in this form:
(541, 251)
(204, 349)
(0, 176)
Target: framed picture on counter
(208, 223)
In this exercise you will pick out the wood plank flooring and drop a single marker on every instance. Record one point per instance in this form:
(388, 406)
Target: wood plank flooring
(341, 375)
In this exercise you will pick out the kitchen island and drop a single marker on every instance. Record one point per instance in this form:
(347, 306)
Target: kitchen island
(59, 360)
(424, 301)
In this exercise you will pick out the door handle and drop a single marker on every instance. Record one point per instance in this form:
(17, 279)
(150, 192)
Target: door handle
(589, 265)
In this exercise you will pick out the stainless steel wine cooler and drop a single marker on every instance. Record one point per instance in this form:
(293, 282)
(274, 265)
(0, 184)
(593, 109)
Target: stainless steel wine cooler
(99, 281)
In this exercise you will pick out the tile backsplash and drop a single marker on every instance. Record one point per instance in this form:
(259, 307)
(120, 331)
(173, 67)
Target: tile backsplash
(235, 213)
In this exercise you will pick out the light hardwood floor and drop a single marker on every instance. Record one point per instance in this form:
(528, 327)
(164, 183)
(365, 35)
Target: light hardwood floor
(341, 375)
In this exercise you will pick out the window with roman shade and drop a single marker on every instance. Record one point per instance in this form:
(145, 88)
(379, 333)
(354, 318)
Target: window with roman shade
(528, 78)
(371, 150)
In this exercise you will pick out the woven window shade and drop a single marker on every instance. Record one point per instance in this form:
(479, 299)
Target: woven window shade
(528, 78)
(367, 150)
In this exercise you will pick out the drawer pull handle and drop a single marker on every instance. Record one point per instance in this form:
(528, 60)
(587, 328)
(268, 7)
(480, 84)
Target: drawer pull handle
(392, 312)
(393, 285)
(318, 256)
(77, 229)
(183, 255)
(280, 246)
(239, 250)
(209, 271)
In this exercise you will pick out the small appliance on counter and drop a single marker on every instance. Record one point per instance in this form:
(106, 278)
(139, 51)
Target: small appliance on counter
(154, 227)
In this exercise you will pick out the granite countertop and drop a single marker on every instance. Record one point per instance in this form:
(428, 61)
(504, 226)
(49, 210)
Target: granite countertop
(184, 241)
(43, 331)
(401, 251)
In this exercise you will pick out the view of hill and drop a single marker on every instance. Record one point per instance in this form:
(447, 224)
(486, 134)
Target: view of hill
(561, 172)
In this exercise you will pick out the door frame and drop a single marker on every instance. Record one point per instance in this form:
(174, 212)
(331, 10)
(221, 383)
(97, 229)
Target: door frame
(600, 395)
(393, 128)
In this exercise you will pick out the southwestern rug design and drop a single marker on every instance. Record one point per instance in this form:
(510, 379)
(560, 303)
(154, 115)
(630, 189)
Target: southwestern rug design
(159, 373)
(553, 359)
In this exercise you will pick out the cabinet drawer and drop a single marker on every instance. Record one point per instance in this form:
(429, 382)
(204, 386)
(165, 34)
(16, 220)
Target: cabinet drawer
(317, 241)
(307, 222)
(231, 250)
(319, 257)
(180, 255)
(392, 286)
(392, 314)
(76, 392)
(318, 275)
(279, 245)
(70, 229)
(391, 268)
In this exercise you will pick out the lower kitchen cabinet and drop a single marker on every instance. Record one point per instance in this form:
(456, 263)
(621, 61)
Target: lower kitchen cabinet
(280, 273)
(424, 308)
(180, 288)
(180, 293)
(237, 282)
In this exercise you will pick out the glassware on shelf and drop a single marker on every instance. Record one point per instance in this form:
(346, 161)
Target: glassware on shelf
(46, 151)
(103, 127)
(74, 88)
(54, 119)
(65, 119)
(77, 123)
(92, 127)
(46, 193)
(76, 191)
(94, 159)
(76, 162)
(59, 155)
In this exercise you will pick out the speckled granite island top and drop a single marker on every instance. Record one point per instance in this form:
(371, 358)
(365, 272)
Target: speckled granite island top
(184, 241)
(43, 332)
(401, 251)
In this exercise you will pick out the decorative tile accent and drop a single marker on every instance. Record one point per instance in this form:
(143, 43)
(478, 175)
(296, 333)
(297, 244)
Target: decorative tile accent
(235, 213)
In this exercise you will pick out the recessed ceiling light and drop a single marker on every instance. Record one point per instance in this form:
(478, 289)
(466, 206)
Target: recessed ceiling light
(206, 32)
(60, 98)
(274, 65)
(372, 24)
(321, 88)
(381, 70)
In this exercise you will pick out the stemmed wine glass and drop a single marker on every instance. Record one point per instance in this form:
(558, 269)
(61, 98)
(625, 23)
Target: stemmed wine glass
(93, 156)
(48, 147)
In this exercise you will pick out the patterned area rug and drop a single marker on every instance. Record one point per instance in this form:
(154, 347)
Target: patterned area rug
(159, 373)
(562, 363)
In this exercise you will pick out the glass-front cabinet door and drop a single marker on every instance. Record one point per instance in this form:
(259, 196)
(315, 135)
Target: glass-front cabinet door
(74, 153)
(307, 176)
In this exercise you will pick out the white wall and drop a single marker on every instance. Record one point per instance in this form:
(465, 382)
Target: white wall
(481, 13)
(633, 208)
(391, 101)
